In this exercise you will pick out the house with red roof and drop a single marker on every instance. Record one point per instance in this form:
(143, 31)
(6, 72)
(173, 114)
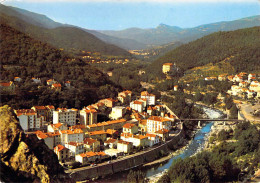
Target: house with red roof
(57, 127)
(124, 146)
(111, 143)
(63, 115)
(137, 105)
(51, 82)
(153, 139)
(67, 84)
(155, 123)
(137, 140)
(99, 135)
(91, 144)
(109, 102)
(62, 152)
(40, 110)
(88, 116)
(56, 86)
(7, 86)
(163, 134)
(117, 112)
(130, 128)
(75, 148)
(29, 120)
(125, 97)
(77, 135)
(150, 97)
(17, 79)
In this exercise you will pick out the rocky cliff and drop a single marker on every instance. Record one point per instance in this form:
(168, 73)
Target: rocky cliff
(25, 158)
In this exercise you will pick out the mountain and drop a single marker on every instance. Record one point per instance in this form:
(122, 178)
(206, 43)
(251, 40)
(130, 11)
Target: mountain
(30, 17)
(45, 22)
(241, 48)
(164, 34)
(26, 57)
(125, 43)
(24, 158)
(66, 37)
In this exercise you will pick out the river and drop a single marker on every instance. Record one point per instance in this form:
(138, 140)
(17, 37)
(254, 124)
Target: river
(195, 146)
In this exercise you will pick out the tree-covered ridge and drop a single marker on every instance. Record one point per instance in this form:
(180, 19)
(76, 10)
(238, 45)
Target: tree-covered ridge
(25, 57)
(64, 37)
(243, 45)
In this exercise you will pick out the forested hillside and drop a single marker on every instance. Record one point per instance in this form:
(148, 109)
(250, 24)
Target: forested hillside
(25, 57)
(69, 38)
(243, 45)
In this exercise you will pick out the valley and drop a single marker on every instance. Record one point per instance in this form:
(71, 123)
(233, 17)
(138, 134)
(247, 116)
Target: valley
(109, 102)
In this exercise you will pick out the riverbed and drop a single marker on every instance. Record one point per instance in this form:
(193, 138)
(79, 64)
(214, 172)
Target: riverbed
(196, 145)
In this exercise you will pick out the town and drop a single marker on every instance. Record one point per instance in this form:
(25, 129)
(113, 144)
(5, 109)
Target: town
(79, 137)
(76, 135)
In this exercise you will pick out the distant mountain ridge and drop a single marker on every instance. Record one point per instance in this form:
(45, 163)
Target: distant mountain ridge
(137, 38)
(164, 34)
(59, 35)
(240, 48)
(45, 22)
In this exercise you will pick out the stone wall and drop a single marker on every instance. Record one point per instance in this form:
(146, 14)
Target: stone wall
(116, 166)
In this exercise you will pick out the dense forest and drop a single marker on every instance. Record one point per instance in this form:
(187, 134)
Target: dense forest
(68, 38)
(25, 57)
(234, 158)
(243, 45)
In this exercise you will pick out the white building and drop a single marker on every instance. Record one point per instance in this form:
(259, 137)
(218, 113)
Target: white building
(124, 146)
(63, 115)
(155, 123)
(150, 97)
(153, 139)
(51, 139)
(75, 148)
(28, 119)
(137, 140)
(117, 112)
(137, 105)
(56, 127)
(125, 96)
(88, 116)
(72, 136)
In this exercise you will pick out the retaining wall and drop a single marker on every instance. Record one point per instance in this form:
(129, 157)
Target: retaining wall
(116, 166)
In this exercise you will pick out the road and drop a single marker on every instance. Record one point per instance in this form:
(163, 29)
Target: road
(247, 110)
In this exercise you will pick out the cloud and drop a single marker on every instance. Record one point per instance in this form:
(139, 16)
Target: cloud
(136, 1)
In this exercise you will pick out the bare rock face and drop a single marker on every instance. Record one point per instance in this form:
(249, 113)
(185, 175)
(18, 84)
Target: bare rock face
(25, 158)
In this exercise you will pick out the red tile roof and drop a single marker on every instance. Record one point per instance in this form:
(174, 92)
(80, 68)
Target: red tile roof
(5, 84)
(59, 148)
(89, 141)
(124, 142)
(56, 85)
(158, 118)
(110, 141)
(39, 107)
(138, 102)
(75, 144)
(168, 64)
(97, 132)
(162, 131)
(129, 125)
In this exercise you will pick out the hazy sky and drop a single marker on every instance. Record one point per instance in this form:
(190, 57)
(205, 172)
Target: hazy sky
(121, 14)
